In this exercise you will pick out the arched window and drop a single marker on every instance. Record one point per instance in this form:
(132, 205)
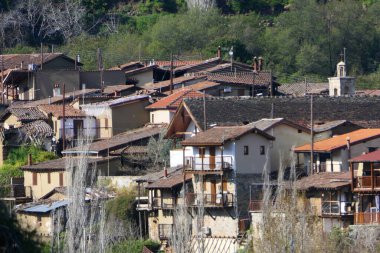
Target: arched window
(335, 92)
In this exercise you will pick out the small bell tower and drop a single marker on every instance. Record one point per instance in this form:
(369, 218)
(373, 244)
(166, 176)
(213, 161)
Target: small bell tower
(341, 85)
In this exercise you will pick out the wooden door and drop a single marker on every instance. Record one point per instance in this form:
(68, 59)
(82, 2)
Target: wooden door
(224, 185)
(78, 128)
(212, 158)
(60, 179)
(213, 192)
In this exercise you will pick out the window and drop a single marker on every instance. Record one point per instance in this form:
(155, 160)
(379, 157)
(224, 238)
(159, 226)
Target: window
(246, 150)
(39, 220)
(49, 178)
(371, 149)
(106, 123)
(55, 126)
(341, 70)
(60, 179)
(262, 150)
(152, 117)
(299, 131)
(202, 152)
(335, 92)
(34, 178)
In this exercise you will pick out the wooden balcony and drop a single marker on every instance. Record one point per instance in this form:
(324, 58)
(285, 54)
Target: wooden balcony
(208, 164)
(165, 231)
(366, 184)
(256, 205)
(337, 208)
(163, 203)
(210, 200)
(367, 218)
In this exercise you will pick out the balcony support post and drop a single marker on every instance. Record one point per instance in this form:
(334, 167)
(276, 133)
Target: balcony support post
(221, 153)
(138, 204)
(372, 178)
(352, 176)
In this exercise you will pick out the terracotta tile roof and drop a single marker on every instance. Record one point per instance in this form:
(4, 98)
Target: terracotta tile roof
(172, 180)
(123, 67)
(116, 88)
(13, 60)
(121, 140)
(325, 126)
(57, 111)
(176, 81)
(131, 150)
(340, 141)
(369, 157)
(37, 129)
(178, 63)
(266, 124)
(217, 136)
(261, 78)
(302, 89)
(140, 70)
(24, 114)
(61, 163)
(206, 64)
(326, 180)
(172, 101)
(203, 85)
(117, 101)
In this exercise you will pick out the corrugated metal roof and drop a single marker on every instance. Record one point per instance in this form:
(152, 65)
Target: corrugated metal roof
(118, 101)
(46, 207)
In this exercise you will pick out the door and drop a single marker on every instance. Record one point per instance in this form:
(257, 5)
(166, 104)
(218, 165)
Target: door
(78, 127)
(212, 158)
(200, 161)
(213, 192)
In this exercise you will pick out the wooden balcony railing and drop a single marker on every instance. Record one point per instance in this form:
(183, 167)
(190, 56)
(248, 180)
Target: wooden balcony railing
(210, 200)
(256, 205)
(337, 208)
(364, 218)
(208, 163)
(163, 202)
(165, 231)
(367, 183)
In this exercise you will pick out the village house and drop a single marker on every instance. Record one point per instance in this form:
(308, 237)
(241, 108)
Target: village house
(118, 115)
(365, 183)
(163, 110)
(327, 129)
(332, 155)
(41, 178)
(77, 123)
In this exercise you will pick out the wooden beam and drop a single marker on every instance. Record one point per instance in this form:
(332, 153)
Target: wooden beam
(352, 176)
(372, 178)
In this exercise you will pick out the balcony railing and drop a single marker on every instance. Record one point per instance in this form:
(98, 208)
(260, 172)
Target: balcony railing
(256, 205)
(208, 163)
(210, 200)
(163, 202)
(367, 183)
(337, 208)
(15, 191)
(165, 231)
(364, 218)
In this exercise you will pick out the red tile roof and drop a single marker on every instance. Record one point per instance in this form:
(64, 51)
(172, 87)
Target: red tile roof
(13, 60)
(369, 157)
(326, 180)
(57, 111)
(340, 141)
(174, 100)
(177, 63)
(176, 81)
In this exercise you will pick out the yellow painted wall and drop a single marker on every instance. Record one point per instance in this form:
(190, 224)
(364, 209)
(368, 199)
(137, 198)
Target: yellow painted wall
(42, 186)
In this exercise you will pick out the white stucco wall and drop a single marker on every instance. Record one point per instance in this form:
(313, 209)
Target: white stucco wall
(160, 116)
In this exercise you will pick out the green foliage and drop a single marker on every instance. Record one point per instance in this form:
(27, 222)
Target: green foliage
(339, 240)
(135, 246)
(20, 49)
(18, 157)
(159, 149)
(122, 206)
(13, 237)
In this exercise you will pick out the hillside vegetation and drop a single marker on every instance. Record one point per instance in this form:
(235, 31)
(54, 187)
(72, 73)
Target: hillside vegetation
(295, 37)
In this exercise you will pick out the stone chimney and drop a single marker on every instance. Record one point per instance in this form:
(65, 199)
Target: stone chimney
(255, 63)
(56, 90)
(219, 54)
(260, 64)
(30, 161)
(165, 172)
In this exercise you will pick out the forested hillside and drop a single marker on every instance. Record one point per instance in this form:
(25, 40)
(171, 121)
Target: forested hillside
(295, 37)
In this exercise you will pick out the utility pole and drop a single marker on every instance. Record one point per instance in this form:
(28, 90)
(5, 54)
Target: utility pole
(63, 118)
(204, 112)
(100, 68)
(312, 135)
(2, 79)
(171, 73)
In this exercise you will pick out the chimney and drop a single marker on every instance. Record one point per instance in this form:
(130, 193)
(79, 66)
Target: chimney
(219, 54)
(49, 100)
(56, 90)
(30, 161)
(260, 64)
(348, 142)
(165, 172)
(254, 64)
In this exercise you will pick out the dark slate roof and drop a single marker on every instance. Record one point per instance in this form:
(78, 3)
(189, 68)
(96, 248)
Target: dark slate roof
(37, 129)
(266, 124)
(326, 180)
(217, 136)
(364, 111)
(172, 180)
(60, 164)
(120, 140)
(25, 114)
(325, 126)
(302, 88)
